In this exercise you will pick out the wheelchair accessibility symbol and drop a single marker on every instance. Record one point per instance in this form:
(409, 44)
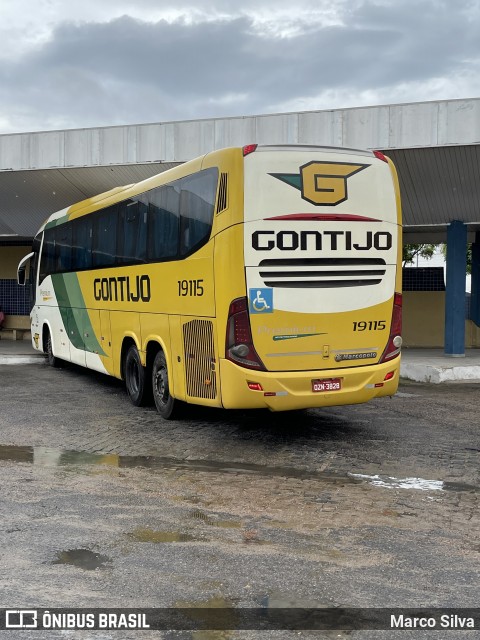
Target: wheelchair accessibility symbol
(261, 300)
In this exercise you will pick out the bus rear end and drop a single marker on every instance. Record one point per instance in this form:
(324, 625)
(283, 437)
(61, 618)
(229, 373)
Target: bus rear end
(320, 322)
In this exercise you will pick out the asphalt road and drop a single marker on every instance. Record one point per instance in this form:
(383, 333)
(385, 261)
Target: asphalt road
(106, 505)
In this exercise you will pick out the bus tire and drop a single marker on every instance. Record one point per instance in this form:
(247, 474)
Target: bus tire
(136, 380)
(52, 360)
(166, 405)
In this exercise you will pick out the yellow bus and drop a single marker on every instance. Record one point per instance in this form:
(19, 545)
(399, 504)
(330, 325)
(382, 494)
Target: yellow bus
(254, 277)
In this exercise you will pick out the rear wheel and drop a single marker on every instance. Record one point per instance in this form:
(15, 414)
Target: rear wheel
(166, 405)
(52, 360)
(136, 380)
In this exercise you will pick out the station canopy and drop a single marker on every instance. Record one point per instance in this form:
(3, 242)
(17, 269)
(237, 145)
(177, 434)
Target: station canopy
(434, 145)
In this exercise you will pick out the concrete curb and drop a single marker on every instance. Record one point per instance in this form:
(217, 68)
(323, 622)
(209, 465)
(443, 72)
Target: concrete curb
(435, 375)
(21, 359)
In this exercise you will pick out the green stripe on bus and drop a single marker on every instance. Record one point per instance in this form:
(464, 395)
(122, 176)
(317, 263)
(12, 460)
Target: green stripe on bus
(74, 314)
(55, 223)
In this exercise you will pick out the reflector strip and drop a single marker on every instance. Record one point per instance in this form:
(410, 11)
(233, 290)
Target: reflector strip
(319, 217)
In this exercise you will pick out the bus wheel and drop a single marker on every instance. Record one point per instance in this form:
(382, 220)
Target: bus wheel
(48, 349)
(166, 405)
(135, 378)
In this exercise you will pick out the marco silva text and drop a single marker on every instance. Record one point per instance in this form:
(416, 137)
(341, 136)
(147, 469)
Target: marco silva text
(445, 621)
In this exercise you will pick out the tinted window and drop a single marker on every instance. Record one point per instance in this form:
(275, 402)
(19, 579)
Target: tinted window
(63, 247)
(132, 236)
(180, 215)
(163, 221)
(82, 243)
(34, 263)
(197, 203)
(47, 262)
(105, 237)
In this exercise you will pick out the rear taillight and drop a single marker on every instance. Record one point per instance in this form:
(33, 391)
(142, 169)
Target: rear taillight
(249, 148)
(380, 156)
(395, 339)
(239, 343)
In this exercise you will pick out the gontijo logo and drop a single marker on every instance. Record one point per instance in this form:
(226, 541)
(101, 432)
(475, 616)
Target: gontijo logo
(322, 183)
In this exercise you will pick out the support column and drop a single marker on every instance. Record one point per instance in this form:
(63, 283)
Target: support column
(475, 297)
(455, 294)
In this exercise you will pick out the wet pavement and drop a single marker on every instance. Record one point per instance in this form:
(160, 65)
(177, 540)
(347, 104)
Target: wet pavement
(106, 505)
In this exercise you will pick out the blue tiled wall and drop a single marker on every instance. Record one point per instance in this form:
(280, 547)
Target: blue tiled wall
(15, 300)
(423, 279)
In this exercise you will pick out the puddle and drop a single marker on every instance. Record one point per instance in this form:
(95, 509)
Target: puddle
(47, 456)
(214, 522)
(459, 486)
(157, 537)
(305, 613)
(82, 558)
(217, 612)
(400, 483)
(279, 599)
(248, 536)
(419, 484)
(18, 454)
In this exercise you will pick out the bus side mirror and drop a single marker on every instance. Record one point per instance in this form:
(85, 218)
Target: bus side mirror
(21, 276)
(21, 269)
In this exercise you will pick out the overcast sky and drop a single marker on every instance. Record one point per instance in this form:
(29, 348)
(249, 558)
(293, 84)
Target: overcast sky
(69, 64)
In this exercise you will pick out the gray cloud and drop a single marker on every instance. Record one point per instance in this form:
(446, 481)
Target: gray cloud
(128, 70)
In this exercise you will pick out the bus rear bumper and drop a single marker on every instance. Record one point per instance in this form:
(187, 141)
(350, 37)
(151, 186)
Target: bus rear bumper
(290, 390)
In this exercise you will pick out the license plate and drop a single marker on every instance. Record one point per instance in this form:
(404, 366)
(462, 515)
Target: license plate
(329, 384)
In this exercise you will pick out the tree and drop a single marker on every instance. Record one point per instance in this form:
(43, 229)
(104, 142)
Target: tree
(411, 251)
(443, 249)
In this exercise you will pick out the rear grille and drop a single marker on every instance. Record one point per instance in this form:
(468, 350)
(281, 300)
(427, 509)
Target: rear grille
(222, 193)
(199, 359)
(322, 273)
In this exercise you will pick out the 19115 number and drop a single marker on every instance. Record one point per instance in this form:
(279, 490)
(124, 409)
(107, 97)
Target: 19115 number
(371, 325)
(190, 287)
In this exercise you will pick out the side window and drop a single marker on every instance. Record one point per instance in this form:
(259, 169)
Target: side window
(105, 237)
(197, 202)
(172, 221)
(163, 222)
(35, 262)
(82, 243)
(63, 247)
(47, 261)
(132, 232)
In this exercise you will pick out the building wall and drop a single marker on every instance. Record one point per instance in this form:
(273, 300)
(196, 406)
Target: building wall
(396, 126)
(9, 259)
(424, 321)
(14, 300)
